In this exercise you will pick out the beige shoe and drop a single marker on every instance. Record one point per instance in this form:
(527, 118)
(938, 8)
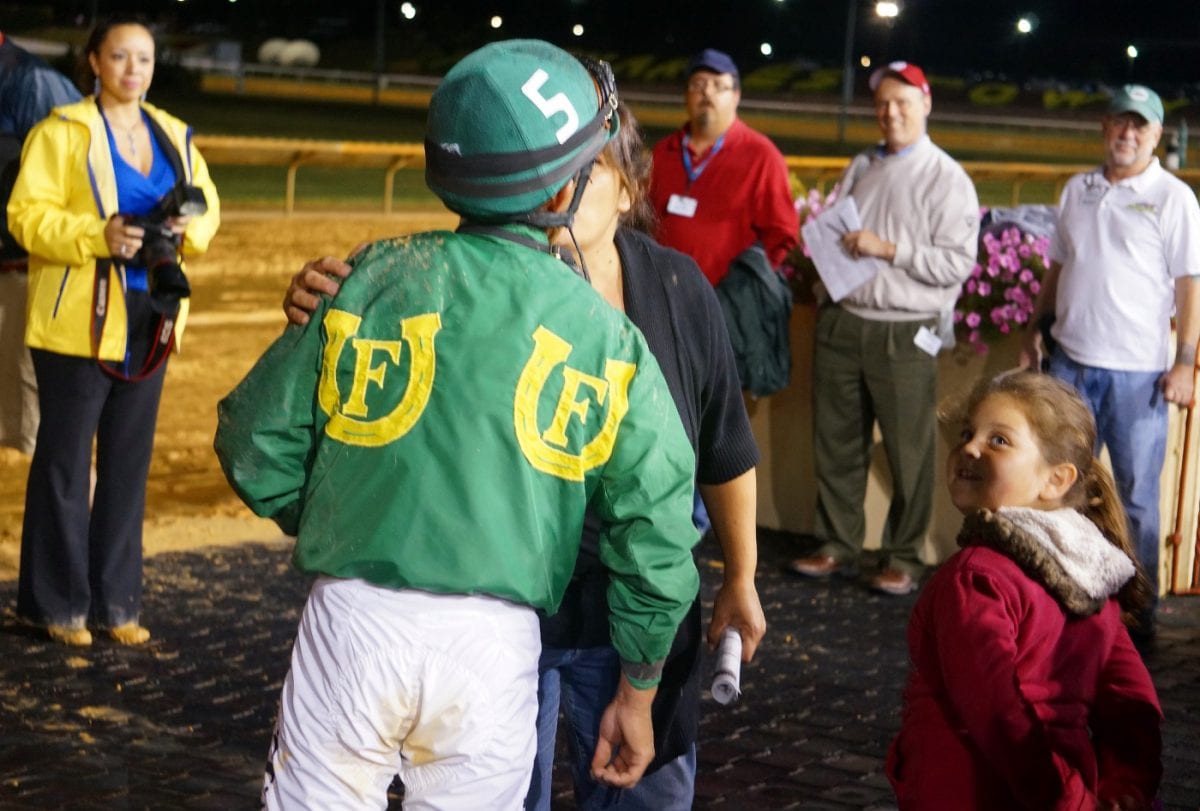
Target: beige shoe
(78, 637)
(816, 566)
(894, 581)
(129, 634)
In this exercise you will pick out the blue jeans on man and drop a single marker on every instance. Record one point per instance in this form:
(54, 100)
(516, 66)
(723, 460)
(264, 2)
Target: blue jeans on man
(582, 681)
(1131, 419)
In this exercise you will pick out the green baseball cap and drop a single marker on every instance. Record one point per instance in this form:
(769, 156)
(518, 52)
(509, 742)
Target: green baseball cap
(1136, 98)
(511, 124)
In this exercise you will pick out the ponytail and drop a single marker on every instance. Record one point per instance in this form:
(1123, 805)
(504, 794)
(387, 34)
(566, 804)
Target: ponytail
(1102, 506)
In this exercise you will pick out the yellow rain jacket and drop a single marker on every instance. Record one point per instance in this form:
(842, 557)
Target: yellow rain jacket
(64, 195)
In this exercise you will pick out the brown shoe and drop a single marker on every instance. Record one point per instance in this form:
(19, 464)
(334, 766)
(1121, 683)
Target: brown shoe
(893, 581)
(815, 566)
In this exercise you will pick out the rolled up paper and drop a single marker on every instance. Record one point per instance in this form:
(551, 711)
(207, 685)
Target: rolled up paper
(726, 686)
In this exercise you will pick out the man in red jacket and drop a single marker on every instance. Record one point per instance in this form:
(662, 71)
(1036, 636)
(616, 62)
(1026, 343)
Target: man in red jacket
(718, 186)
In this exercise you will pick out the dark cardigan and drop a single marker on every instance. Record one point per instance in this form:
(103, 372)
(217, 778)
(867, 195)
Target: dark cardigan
(675, 307)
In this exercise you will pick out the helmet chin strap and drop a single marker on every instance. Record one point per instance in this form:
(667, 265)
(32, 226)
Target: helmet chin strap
(566, 218)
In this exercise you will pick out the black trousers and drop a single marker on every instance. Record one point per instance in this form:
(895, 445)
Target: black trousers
(79, 564)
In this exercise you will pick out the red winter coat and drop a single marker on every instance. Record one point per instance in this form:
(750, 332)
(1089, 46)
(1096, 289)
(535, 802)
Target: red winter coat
(1006, 683)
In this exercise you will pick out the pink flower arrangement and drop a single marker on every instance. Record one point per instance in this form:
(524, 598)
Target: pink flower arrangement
(998, 297)
(810, 205)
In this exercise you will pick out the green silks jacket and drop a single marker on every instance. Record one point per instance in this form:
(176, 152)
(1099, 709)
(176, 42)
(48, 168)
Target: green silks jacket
(443, 421)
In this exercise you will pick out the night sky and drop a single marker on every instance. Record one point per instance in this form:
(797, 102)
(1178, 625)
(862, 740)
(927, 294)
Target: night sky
(1078, 41)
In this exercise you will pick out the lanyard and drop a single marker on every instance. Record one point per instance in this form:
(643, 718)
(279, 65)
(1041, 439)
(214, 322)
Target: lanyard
(694, 172)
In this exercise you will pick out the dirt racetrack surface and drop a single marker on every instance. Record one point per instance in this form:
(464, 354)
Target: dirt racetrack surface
(237, 290)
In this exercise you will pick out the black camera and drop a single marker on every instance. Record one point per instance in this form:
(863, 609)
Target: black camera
(159, 251)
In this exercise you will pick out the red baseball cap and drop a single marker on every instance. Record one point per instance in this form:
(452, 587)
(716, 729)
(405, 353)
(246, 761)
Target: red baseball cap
(905, 72)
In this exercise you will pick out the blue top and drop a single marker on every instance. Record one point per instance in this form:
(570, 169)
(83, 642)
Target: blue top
(138, 194)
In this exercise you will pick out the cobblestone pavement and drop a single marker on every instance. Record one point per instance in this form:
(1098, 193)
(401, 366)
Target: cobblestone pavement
(183, 722)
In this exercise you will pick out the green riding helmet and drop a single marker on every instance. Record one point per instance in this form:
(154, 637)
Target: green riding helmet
(511, 124)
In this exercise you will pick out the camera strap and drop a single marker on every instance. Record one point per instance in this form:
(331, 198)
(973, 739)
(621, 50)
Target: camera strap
(164, 331)
(168, 148)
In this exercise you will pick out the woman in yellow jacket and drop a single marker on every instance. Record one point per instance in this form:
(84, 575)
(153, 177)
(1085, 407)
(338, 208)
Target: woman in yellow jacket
(107, 300)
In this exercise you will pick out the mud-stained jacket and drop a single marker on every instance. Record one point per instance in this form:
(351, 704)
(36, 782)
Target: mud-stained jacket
(63, 197)
(443, 421)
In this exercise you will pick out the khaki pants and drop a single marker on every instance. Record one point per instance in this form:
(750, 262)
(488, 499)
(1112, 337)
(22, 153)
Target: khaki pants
(18, 385)
(866, 372)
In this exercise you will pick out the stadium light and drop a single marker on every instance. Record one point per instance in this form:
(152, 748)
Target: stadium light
(1024, 26)
(765, 49)
(847, 70)
(408, 11)
(577, 30)
(887, 9)
(497, 21)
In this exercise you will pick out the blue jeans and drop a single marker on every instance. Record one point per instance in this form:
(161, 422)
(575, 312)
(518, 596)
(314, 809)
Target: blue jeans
(1131, 419)
(700, 513)
(583, 681)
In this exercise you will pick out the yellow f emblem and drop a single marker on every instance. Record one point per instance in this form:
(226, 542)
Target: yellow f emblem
(549, 351)
(346, 421)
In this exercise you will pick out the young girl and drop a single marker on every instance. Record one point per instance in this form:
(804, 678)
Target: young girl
(1025, 690)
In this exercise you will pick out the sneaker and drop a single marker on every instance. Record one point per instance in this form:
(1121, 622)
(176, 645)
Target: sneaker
(76, 637)
(129, 634)
(815, 566)
(894, 581)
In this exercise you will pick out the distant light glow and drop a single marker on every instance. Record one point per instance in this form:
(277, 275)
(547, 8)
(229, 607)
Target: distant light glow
(887, 9)
(577, 30)
(408, 10)
(765, 49)
(865, 61)
(1131, 52)
(497, 21)
(1024, 26)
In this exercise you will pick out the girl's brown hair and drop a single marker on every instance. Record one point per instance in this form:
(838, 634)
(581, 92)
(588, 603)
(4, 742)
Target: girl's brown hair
(1066, 432)
(627, 155)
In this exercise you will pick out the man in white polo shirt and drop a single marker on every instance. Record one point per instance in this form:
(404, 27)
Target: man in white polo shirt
(1126, 255)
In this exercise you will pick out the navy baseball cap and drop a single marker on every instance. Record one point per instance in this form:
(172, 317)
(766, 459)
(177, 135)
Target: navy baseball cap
(712, 60)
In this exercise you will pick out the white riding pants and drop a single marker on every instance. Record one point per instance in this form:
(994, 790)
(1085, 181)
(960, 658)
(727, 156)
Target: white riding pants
(440, 689)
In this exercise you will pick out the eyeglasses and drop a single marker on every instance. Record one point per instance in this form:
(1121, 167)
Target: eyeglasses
(1119, 121)
(699, 85)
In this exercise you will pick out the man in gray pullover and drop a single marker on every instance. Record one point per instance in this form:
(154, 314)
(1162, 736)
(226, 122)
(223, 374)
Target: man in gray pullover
(876, 348)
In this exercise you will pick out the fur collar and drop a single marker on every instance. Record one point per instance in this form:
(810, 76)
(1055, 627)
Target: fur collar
(1060, 549)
